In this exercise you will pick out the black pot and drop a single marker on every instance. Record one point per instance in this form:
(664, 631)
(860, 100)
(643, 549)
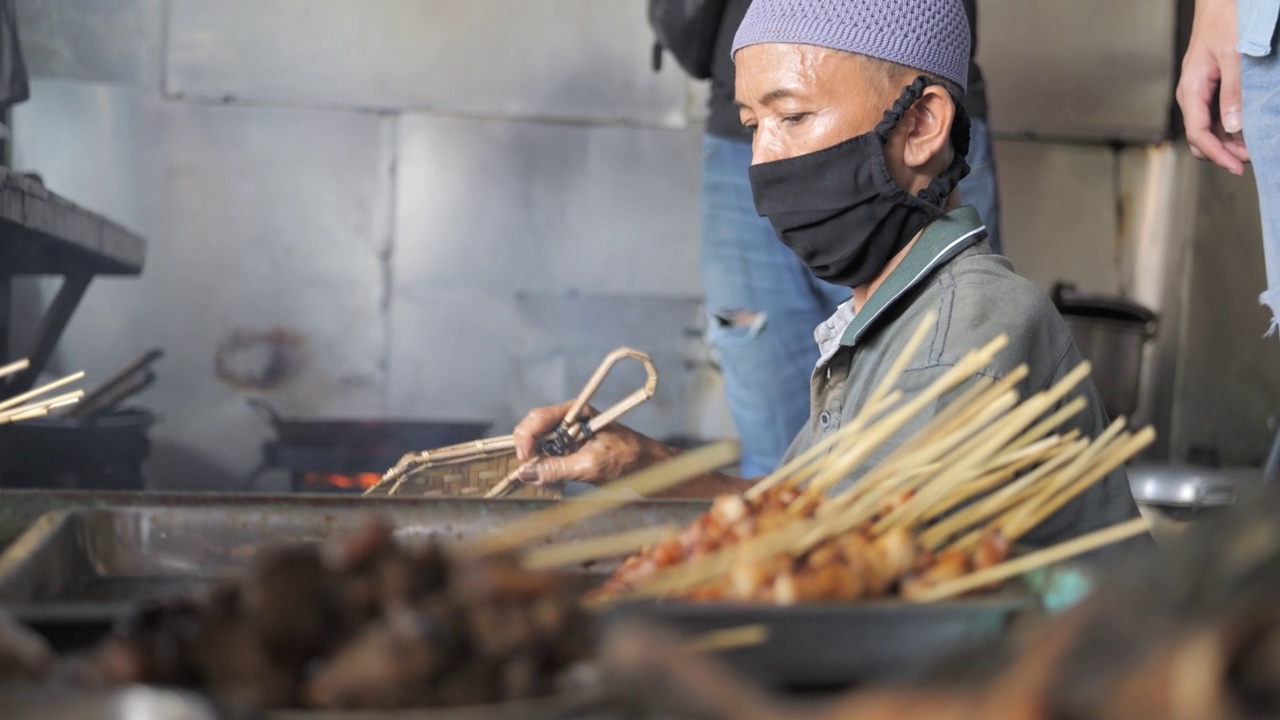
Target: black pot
(367, 436)
(1111, 333)
(104, 454)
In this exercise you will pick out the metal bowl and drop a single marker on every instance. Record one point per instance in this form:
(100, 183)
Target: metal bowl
(1173, 496)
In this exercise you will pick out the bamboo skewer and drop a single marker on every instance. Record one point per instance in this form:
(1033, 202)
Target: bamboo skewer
(651, 480)
(993, 479)
(870, 503)
(1065, 476)
(22, 412)
(1109, 462)
(1022, 505)
(956, 423)
(1047, 425)
(802, 468)
(26, 415)
(880, 433)
(998, 501)
(572, 553)
(905, 356)
(954, 466)
(881, 398)
(874, 483)
(1032, 561)
(986, 463)
(47, 387)
(16, 366)
(692, 574)
(728, 638)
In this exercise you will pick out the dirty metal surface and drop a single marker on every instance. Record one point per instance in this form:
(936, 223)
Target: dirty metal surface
(122, 554)
(152, 703)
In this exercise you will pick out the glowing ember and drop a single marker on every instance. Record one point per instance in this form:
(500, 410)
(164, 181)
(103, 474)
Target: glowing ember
(358, 481)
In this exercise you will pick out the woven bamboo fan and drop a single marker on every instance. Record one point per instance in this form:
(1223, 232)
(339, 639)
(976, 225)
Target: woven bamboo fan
(488, 468)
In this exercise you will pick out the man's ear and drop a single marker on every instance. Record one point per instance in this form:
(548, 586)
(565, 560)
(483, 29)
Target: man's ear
(927, 126)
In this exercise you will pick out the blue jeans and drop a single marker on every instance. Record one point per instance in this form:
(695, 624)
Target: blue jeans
(979, 188)
(1260, 83)
(766, 361)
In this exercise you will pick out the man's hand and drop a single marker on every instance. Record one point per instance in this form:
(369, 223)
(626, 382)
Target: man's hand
(614, 451)
(1209, 91)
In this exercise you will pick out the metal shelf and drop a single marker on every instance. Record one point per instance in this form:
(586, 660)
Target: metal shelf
(42, 233)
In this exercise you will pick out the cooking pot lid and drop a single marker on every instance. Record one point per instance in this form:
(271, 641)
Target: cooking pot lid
(1187, 485)
(1071, 301)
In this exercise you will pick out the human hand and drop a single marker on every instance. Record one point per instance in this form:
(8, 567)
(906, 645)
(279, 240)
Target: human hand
(1209, 90)
(612, 452)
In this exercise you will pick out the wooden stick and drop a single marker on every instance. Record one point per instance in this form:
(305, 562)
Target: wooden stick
(876, 404)
(1049, 424)
(1061, 479)
(1032, 561)
(953, 424)
(728, 638)
(970, 408)
(1000, 500)
(905, 356)
(876, 483)
(16, 366)
(51, 404)
(949, 476)
(880, 432)
(656, 478)
(28, 415)
(1107, 463)
(995, 478)
(689, 575)
(1025, 414)
(453, 454)
(800, 468)
(506, 485)
(19, 399)
(572, 553)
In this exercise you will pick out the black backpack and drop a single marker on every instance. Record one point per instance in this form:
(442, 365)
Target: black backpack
(688, 29)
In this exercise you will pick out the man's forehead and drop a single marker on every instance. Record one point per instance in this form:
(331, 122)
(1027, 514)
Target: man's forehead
(770, 71)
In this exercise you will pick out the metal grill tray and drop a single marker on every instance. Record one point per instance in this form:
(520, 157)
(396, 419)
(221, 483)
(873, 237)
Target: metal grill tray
(111, 556)
(827, 646)
(74, 572)
(150, 703)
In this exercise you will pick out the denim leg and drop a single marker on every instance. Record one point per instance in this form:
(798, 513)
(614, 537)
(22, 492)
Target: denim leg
(1260, 82)
(979, 188)
(763, 305)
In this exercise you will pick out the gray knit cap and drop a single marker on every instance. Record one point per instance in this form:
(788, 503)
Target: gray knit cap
(928, 35)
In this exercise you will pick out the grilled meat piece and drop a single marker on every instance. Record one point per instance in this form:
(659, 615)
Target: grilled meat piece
(23, 654)
(358, 623)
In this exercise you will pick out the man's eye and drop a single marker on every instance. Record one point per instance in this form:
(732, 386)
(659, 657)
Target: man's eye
(751, 127)
(794, 119)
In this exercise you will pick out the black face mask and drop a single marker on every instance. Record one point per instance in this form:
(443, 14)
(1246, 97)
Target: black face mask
(839, 210)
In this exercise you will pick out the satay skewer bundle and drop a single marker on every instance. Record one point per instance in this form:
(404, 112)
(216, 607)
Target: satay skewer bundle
(949, 502)
(30, 405)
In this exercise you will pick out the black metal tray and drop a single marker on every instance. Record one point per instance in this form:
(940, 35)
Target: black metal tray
(829, 646)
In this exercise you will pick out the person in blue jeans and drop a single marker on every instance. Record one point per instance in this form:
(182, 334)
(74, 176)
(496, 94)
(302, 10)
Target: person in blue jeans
(763, 303)
(1229, 93)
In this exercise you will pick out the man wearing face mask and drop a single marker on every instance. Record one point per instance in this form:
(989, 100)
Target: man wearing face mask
(859, 143)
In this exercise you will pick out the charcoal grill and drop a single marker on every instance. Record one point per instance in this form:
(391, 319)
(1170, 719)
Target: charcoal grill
(349, 448)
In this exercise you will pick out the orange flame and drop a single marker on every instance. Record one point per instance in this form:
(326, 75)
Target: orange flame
(358, 481)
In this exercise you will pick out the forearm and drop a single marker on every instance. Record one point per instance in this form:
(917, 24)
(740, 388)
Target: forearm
(1209, 8)
(705, 486)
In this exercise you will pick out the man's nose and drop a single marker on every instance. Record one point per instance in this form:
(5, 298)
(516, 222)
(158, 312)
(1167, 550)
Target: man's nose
(765, 148)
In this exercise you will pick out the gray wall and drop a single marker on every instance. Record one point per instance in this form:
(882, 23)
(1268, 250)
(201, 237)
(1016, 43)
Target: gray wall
(425, 213)
(418, 211)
